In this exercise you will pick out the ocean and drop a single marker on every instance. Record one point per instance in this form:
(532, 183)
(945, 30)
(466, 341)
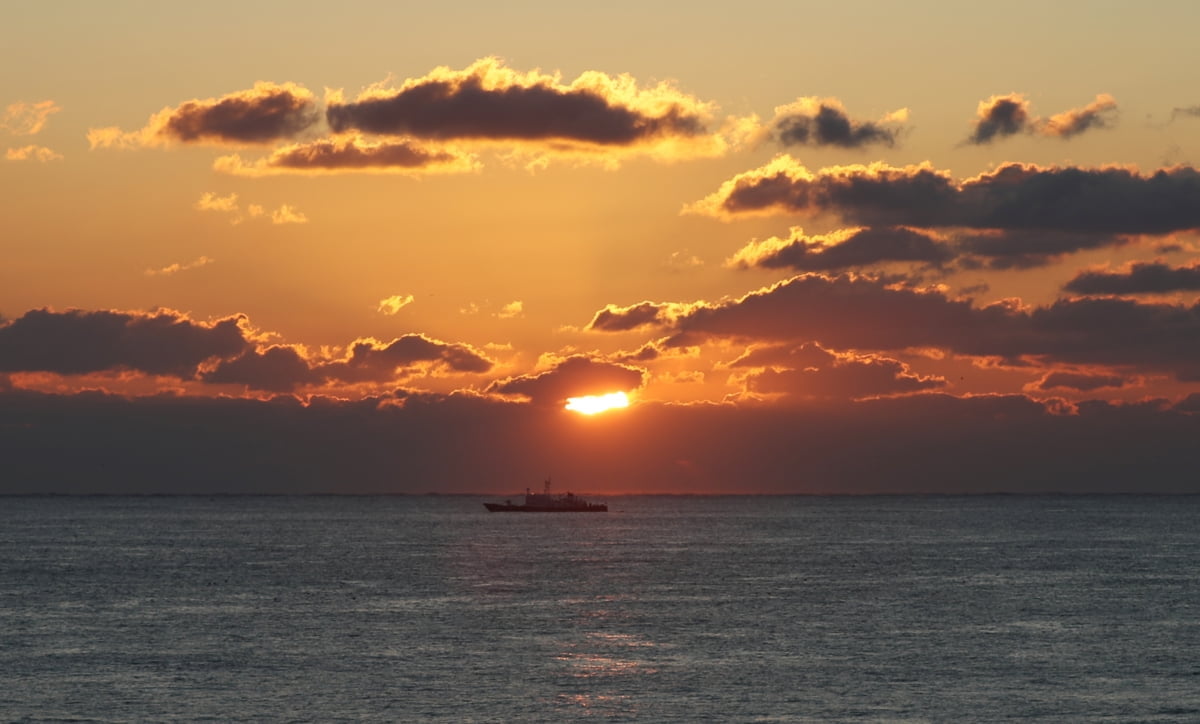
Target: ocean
(665, 609)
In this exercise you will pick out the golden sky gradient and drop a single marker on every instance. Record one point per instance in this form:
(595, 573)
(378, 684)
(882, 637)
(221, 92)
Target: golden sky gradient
(747, 219)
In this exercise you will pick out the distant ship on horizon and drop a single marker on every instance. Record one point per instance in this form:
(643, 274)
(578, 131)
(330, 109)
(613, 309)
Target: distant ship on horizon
(544, 502)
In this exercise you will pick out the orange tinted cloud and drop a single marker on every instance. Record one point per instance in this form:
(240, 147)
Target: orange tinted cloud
(40, 154)
(27, 119)
(177, 267)
(348, 155)
(490, 102)
(1097, 114)
(266, 113)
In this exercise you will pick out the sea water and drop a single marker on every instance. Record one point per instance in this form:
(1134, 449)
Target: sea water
(664, 609)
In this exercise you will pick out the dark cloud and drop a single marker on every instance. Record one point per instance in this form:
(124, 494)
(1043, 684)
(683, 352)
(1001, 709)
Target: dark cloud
(340, 155)
(375, 361)
(78, 342)
(623, 319)
(277, 369)
(168, 343)
(1027, 249)
(816, 122)
(928, 443)
(488, 101)
(1008, 115)
(1109, 200)
(1137, 278)
(846, 249)
(813, 372)
(264, 114)
(874, 314)
(1100, 113)
(1000, 116)
(1084, 382)
(576, 376)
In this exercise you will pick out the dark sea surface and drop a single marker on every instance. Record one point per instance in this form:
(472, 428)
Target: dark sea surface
(665, 609)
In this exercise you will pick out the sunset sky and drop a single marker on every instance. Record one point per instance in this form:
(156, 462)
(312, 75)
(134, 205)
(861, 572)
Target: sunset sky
(376, 247)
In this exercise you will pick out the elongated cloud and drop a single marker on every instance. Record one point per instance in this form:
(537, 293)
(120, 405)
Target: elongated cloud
(1189, 112)
(488, 101)
(266, 113)
(875, 314)
(1109, 200)
(1027, 249)
(40, 154)
(572, 377)
(844, 249)
(178, 267)
(77, 342)
(1097, 114)
(1082, 381)
(927, 443)
(1008, 115)
(27, 119)
(824, 122)
(1138, 278)
(350, 154)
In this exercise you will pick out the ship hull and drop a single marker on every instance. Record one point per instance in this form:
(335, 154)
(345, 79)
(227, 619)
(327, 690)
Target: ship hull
(503, 508)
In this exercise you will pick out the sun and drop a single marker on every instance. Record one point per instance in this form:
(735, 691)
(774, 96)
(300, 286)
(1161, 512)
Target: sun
(592, 404)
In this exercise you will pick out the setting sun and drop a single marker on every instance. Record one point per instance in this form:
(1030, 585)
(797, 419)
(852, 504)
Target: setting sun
(592, 404)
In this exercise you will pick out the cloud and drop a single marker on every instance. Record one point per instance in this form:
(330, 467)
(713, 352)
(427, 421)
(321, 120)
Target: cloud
(852, 379)
(414, 443)
(1007, 115)
(27, 119)
(287, 214)
(824, 122)
(264, 114)
(1026, 249)
(489, 102)
(1189, 112)
(371, 360)
(350, 155)
(177, 267)
(843, 249)
(874, 314)
(394, 304)
(77, 341)
(1097, 114)
(513, 309)
(40, 154)
(623, 319)
(1137, 278)
(1000, 116)
(276, 369)
(574, 376)
(1082, 381)
(209, 201)
(1107, 200)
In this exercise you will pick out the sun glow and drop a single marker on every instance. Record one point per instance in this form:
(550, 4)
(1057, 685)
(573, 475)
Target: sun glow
(592, 404)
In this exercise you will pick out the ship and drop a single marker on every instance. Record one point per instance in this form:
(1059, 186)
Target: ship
(544, 502)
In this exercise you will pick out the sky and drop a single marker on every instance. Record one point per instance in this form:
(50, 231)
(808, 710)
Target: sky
(272, 247)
